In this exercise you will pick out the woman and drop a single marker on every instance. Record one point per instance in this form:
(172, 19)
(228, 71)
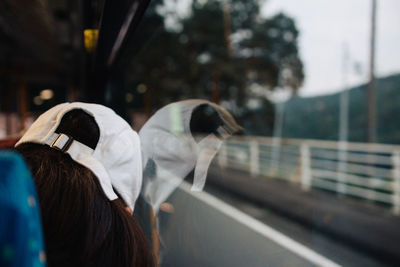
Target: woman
(86, 165)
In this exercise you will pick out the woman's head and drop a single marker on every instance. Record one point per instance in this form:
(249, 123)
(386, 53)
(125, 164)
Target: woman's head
(82, 226)
(113, 155)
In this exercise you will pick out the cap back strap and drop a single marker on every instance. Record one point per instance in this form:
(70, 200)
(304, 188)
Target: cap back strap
(62, 142)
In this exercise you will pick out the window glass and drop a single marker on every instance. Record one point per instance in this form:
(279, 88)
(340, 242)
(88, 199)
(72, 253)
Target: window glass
(314, 177)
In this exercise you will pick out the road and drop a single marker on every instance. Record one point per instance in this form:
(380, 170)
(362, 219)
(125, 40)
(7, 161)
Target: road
(218, 228)
(204, 231)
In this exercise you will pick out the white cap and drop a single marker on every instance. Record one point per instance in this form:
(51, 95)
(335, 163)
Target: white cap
(170, 151)
(116, 160)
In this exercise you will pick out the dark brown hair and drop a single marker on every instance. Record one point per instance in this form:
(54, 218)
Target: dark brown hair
(82, 227)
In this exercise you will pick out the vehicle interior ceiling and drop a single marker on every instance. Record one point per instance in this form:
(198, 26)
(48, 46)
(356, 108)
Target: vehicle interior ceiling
(42, 45)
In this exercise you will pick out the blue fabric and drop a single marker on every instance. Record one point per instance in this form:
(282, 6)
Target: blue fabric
(21, 237)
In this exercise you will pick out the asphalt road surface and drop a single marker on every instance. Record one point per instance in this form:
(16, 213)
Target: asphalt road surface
(217, 228)
(205, 231)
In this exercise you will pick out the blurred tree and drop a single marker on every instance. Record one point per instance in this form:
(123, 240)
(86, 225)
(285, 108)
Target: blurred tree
(221, 50)
(272, 54)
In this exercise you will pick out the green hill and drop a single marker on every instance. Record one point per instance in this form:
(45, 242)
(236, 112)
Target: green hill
(318, 117)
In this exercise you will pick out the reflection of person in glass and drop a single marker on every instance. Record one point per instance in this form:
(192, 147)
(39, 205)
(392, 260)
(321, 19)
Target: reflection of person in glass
(178, 138)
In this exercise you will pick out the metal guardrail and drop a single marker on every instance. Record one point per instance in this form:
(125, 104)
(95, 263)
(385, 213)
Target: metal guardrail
(363, 170)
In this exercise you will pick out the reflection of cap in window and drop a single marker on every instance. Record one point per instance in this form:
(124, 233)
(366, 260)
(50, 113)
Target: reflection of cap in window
(178, 138)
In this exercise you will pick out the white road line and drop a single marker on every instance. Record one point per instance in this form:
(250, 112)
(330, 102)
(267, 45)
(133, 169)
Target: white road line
(260, 228)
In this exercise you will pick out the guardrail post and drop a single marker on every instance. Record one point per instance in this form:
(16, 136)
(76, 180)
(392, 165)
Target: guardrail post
(274, 163)
(305, 166)
(342, 168)
(254, 158)
(396, 182)
(222, 156)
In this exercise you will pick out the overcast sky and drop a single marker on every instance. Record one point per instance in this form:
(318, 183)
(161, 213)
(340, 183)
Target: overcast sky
(327, 27)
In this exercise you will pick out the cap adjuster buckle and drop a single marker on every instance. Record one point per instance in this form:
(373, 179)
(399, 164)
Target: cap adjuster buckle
(62, 142)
